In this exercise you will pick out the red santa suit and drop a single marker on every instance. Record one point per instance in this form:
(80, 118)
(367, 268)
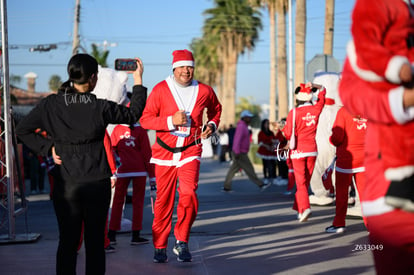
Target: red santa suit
(304, 155)
(269, 140)
(133, 150)
(348, 136)
(177, 151)
(267, 153)
(370, 85)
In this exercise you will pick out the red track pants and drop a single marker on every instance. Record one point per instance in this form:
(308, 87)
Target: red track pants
(138, 195)
(342, 183)
(303, 169)
(167, 179)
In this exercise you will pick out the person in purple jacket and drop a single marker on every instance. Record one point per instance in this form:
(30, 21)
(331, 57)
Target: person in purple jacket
(241, 145)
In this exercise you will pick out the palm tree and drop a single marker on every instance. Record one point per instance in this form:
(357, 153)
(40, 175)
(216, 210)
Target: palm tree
(208, 66)
(300, 38)
(100, 56)
(15, 79)
(281, 10)
(237, 25)
(329, 27)
(270, 5)
(54, 82)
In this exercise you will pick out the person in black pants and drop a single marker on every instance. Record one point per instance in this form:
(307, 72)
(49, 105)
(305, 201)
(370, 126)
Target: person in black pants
(76, 122)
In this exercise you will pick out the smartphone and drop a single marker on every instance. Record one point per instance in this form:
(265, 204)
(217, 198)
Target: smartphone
(125, 64)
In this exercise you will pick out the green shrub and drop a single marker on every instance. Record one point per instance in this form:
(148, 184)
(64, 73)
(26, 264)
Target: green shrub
(252, 154)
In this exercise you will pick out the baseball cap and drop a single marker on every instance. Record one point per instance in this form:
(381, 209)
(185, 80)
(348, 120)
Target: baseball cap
(246, 113)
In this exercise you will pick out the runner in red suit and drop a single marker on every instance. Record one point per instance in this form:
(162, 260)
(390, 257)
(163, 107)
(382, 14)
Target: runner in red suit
(348, 136)
(377, 82)
(175, 109)
(302, 122)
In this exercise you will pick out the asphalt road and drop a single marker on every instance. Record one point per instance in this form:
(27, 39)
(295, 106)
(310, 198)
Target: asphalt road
(244, 232)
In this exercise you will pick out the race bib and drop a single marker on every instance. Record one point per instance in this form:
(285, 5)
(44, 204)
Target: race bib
(183, 130)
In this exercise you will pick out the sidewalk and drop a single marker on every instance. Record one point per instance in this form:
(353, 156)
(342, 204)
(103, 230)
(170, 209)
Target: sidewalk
(244, 232)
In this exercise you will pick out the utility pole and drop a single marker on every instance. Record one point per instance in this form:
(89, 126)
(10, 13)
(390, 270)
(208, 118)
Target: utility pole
(75, 45)
(329, 27)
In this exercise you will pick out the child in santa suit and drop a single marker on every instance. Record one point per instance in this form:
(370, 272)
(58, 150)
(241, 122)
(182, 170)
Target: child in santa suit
(267, 141)
(301, 126)
(133, 150)
(348, 136)
(376, 82)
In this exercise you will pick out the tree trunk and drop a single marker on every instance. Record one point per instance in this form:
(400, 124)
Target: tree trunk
(300, 38)
(329, 27)
(229, 84)
(231, 107)
(273, 64)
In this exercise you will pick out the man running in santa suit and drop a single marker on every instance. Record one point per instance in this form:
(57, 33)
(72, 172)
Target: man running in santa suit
(175, 110)
(377, 82)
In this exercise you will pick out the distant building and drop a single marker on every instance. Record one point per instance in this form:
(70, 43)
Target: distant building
(24, 100)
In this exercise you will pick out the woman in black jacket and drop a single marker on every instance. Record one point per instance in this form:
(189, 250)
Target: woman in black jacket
(76, 122)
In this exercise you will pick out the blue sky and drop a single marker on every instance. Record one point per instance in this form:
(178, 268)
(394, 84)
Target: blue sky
(150, 30)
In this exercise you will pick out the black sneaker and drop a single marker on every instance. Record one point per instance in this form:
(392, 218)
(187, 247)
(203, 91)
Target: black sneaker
(181, 250)
(160, 255)
(110, 249)
(139, 240)
(136, 238)
(111, 236)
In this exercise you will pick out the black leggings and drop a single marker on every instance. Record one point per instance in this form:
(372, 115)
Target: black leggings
(75, 203)
(283, 169)
(269, 168)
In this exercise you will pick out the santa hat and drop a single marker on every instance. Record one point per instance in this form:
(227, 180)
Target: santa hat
(303, 93)
(182, 58)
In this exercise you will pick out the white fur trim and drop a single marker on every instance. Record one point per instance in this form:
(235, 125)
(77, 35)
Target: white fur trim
(170, 123)
(265, 157)
(163, 162)
(350, 171)
(392, 73)
(183, 63)
(375, 207)
(297, 154)
(364, 74)
(399, 173)
(395, 98)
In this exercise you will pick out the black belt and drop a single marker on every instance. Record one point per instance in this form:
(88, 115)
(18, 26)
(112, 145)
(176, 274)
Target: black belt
(176, 149)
